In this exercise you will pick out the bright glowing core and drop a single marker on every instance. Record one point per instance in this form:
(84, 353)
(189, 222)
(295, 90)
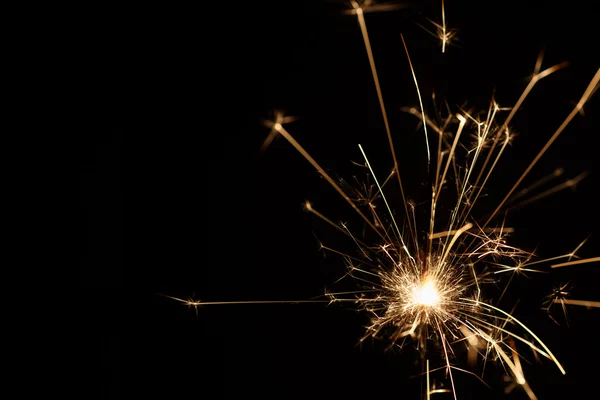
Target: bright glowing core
(426, 294)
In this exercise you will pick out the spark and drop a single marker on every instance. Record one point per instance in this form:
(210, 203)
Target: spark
(558, 296)
(442, 32)
(279, 119)
(584, 303)
(584, 261)
(197, 303)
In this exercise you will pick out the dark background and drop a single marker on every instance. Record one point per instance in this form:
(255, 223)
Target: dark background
(179, 97)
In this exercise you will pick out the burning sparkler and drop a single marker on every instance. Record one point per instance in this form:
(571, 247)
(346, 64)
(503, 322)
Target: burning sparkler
(433, 291)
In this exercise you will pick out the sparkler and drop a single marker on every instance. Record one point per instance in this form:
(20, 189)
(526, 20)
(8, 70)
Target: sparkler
(433, 291)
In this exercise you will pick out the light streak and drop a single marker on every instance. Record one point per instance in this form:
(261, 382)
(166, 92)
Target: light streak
(412, 70)
(584, 261)
(584, 303)
(442, 32)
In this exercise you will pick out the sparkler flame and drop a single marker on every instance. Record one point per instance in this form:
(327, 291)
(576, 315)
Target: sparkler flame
(426, 294)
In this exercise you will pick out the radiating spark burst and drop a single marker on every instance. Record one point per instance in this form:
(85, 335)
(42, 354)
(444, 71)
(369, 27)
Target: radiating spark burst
(433, 290)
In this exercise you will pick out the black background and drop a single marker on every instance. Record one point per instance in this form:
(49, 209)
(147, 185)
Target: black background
(199, 211)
